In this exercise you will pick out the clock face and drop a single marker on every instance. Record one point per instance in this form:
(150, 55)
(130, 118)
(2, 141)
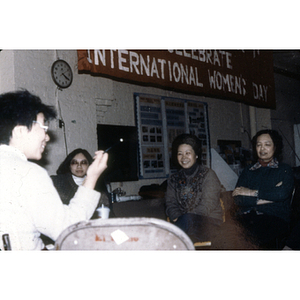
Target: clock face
(62, 73)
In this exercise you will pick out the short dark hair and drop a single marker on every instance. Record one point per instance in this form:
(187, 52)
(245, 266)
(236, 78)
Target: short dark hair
(188, 139)
(20, 108)
(65, 165)
(276, 138)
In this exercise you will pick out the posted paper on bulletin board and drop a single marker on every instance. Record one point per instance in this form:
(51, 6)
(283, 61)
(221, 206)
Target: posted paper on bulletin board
(159, 121)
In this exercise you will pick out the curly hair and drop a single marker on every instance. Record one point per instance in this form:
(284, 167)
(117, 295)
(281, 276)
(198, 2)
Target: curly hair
(65, 165)
(20, 108)
(276, 138)
(188, 139)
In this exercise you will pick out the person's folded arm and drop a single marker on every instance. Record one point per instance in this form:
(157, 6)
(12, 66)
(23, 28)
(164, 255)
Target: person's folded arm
(281, 189)
(243, 195)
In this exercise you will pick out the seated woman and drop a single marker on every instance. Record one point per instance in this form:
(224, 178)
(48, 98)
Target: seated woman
(263, 192)
(71, 174)
(193, 193)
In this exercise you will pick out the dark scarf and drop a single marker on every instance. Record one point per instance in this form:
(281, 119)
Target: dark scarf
(189, 184)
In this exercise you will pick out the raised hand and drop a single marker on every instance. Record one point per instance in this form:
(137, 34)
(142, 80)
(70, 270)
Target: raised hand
(96, 169)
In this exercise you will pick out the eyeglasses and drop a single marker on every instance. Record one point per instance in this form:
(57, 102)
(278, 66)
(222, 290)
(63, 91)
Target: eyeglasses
(79, 163)
(42, 126)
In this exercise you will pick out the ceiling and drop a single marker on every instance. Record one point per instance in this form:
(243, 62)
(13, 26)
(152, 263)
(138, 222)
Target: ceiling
(287, 62)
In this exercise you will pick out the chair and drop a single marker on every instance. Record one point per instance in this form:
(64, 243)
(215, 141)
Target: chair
(123, 234)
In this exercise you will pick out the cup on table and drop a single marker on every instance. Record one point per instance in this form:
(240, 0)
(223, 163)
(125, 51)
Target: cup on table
(103, 212)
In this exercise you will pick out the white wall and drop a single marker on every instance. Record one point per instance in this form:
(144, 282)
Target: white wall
(30, 69)
(7, 79)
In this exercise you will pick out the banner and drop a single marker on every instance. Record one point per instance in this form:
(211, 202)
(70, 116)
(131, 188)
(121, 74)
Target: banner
(243, 76)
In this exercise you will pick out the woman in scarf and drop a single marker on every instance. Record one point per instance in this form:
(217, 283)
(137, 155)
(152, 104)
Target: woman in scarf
(193, 193)
(263, 192)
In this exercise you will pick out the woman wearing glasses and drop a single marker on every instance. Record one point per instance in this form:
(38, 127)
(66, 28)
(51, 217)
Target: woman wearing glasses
(263, 192)
(71, 174)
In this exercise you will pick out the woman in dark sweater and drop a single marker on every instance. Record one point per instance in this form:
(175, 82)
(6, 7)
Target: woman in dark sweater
(263, 191)
(193, 193)
(72, 172)
(70, 175)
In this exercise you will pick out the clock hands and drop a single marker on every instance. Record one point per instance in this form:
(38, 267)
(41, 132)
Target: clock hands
(63, 74)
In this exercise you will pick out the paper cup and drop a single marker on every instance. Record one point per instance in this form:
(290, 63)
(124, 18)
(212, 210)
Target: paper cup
(103, 212)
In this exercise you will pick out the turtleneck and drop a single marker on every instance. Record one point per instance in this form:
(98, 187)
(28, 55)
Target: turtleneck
(190, 170)
(78, 180)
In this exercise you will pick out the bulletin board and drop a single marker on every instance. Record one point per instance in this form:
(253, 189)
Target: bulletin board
(159, 120)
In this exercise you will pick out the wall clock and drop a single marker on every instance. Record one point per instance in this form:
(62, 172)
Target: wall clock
(62, 74)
